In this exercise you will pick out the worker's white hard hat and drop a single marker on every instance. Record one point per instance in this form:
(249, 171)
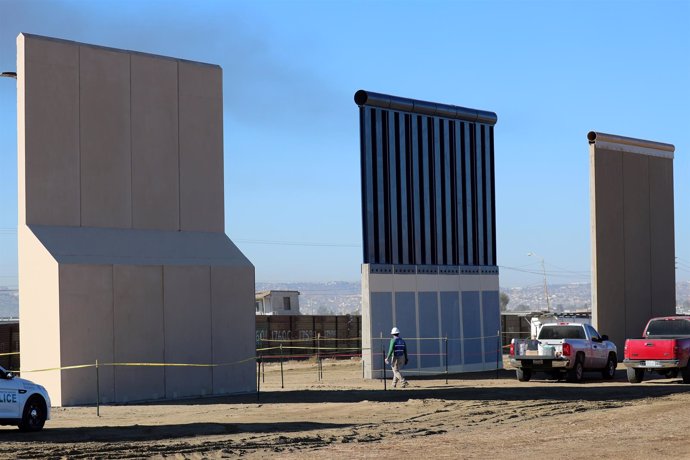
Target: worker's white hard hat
(395, 330)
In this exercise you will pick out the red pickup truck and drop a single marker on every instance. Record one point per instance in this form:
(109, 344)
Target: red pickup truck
(664, 348)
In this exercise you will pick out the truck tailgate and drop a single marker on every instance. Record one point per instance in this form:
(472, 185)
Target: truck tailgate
(649, 349)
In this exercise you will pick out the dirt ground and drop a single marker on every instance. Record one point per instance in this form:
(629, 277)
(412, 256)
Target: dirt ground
(484, 415)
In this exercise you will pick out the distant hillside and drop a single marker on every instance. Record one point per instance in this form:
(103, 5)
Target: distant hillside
(344, 297)
(9, 303)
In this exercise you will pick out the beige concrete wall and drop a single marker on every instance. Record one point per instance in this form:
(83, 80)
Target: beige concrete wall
(39, 313)
(105, 138)
(232, 289)
(86, 332)
(608, 245)
(636, 223)
(48, 132)
(633, 276)
(155, 156)
(188, 331)
(121, 248)
(201, 138)
(663, 241)
(118, 139)
(139, 335)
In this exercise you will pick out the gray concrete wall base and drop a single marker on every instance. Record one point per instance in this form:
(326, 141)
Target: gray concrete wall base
(428, 309)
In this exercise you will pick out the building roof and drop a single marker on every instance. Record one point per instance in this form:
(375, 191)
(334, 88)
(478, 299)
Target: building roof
(264, 294)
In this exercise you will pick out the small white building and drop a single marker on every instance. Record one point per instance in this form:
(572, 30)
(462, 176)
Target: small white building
(277, 303)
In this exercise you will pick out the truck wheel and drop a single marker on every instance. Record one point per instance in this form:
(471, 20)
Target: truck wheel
(34, 416)
(685, 373)
(635, 375)
(609, 371)
(523, 375)
(575, 374)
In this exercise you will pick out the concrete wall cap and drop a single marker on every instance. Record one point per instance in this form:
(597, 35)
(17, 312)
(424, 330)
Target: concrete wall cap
(116, 50)
(595, 137)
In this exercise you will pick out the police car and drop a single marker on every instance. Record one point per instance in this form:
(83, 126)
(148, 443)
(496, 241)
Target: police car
(22, 403)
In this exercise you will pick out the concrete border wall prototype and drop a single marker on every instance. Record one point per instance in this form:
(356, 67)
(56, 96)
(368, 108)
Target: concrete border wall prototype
(632, 228)
(429, 226)
(122, 251)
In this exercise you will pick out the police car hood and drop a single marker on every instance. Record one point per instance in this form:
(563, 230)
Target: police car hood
(28, 384)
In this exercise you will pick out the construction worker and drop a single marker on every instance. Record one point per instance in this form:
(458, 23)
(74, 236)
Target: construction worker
(397, 356)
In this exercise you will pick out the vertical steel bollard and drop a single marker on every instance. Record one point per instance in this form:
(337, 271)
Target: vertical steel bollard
(98, 395)
(362, 367)
(383, 360)
(258, 379)
(318, 357)
(498, 350)
(263, 369)
(446, 360)
(282, 381)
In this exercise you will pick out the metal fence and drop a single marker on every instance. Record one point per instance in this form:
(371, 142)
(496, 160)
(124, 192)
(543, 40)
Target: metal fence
(9, 344)
(304, 336)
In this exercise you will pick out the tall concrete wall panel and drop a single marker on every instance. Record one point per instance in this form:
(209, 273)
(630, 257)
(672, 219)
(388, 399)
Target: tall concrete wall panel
(201, 137)
(636, 215)
(122, 254)
(138, 325)
(105, 138)
(663, 243)
(155, 156)
(51, 143)
(633, 276)
(608, 259)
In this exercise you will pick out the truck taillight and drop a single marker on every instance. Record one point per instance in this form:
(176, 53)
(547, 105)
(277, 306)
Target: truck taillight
(512, 349)
(675, 351)
(566, 349)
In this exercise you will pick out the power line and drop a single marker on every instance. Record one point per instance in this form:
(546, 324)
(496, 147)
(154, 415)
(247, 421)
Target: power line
(298, 243)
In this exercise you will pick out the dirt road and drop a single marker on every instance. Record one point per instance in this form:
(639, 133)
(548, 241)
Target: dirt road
(343, 416)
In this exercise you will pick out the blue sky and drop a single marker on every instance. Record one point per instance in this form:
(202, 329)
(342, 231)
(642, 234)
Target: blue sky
(551, 70)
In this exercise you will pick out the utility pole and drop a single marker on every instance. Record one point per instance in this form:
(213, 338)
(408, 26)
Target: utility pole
(546, 290)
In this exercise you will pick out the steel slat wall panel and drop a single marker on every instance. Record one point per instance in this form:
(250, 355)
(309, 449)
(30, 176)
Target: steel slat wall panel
(367, 186)
(488, 215)
(448, 196)
(416, 191)
(460, 194)
(393, 194)
(427, 189)
(470, 224)
(428, 183)
(403, 223)
(381, 213)
(480, 194)
(493, 260)
(437, 206)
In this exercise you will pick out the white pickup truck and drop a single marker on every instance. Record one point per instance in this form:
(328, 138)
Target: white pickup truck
(564, 349)
(22, 403)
